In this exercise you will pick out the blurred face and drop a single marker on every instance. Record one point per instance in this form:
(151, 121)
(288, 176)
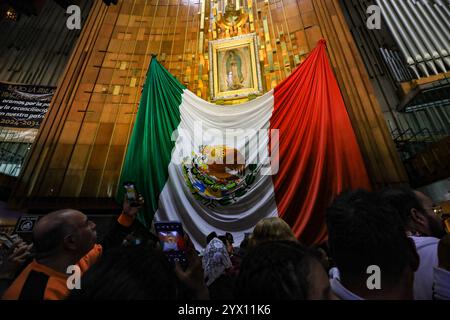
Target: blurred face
(319, 284)
(230, 248)
(84, 234)
(171, 239)
(433, 225)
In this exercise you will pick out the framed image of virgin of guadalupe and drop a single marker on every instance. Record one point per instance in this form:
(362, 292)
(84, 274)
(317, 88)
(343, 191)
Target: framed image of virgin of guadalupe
(234, 68)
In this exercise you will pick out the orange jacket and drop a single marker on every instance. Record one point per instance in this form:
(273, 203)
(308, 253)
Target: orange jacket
(38, 280)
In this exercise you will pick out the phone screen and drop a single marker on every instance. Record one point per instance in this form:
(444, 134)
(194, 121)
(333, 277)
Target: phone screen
(130, 191)
(171, 238)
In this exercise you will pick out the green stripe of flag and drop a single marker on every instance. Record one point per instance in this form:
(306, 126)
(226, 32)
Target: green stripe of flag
(150, 148)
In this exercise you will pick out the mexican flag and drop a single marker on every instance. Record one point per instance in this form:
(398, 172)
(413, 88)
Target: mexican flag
(223, 168)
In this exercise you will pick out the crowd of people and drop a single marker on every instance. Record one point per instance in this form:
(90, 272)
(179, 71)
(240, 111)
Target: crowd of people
(381, 245)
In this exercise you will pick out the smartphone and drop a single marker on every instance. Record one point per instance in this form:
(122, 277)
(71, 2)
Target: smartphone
(131, 193)
(171, 238)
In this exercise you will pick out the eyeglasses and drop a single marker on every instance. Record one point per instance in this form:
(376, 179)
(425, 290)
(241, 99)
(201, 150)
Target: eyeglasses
(438, 211)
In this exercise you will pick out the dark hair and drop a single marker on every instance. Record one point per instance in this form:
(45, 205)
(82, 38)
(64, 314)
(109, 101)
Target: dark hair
(275, 270)
(403, 200)
(129, 273)
(224, 240)
(230, 238)
(211, 236)
(322, 253)
(364, 231)
(244, 243)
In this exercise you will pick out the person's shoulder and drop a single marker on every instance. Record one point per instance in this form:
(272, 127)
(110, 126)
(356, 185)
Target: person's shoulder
(423, 242)
(90, 258)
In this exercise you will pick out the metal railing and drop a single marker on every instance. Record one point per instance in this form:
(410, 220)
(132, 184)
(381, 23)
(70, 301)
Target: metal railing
(410, 142)
(14, 147)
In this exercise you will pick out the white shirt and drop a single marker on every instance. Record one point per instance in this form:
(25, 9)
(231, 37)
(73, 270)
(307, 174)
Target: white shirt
(334, 273)
(423, 278)
(441, 284)
(342, 292)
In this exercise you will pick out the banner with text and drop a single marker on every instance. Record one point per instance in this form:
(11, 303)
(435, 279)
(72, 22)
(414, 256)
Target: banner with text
(24, 106)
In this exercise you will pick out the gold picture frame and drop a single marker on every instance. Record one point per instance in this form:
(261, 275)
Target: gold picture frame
(234, 70)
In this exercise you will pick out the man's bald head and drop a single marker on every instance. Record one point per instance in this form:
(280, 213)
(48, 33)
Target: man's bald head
(51, 230)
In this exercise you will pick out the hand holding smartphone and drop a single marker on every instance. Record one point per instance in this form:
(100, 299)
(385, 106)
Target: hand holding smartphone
(171, 238)
(131, 194)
